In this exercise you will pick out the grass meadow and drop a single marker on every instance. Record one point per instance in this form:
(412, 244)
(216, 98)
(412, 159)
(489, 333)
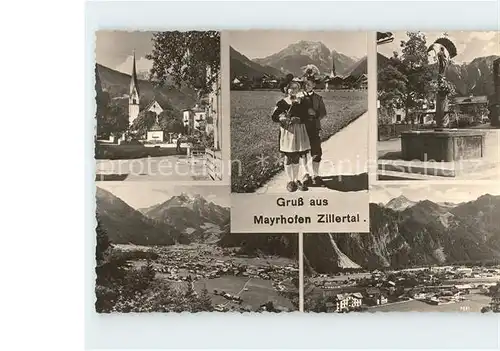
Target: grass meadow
(253, 134)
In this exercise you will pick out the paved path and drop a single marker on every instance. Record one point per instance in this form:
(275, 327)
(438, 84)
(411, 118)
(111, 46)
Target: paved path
(344, 162)
(166, 168)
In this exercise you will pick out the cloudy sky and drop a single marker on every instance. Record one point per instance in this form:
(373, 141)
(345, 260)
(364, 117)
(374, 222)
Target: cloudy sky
(114, 49)
(455, 193)
(262, 43)
(469, 44)
(145, 194)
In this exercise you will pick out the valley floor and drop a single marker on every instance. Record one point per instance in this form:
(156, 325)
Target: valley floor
(234, 282)
(472, 303)
(412, 290)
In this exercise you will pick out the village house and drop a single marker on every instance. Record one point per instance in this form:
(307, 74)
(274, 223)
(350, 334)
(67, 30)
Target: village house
(194, 118)
(374, 297)
(474, 106)
(362, 82)
(345, 302)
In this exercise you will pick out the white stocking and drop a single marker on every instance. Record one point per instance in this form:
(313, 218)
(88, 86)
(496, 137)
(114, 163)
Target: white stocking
(315, 167)
(295, 171)
(304, 161)
(289, 172)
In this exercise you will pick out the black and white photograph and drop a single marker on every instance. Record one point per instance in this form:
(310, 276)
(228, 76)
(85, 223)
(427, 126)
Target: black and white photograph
(438, 105)
(159, 106)
(430, 249)
(297, 98)
(168, 248)
(299, 125)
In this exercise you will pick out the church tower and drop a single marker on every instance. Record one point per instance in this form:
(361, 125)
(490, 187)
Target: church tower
(133, 100)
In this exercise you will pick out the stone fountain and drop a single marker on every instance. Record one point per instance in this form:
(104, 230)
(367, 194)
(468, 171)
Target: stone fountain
(442, 143)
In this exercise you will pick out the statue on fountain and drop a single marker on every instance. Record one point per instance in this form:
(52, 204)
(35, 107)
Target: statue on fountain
(444, 50)
(442, 61)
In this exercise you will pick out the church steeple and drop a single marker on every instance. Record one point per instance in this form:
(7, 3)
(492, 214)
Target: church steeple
(133, 101)
(133, 79)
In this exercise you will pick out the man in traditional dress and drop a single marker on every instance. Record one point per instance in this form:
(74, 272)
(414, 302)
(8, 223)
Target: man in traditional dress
(316, 110)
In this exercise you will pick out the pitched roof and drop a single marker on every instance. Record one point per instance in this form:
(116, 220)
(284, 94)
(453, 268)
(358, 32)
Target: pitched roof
(163, 104)
(358, 295)
(462, 100)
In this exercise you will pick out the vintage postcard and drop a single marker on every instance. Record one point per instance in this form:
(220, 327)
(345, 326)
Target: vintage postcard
(297, 226)
(299, 131)
(159, 106)
(438, 105)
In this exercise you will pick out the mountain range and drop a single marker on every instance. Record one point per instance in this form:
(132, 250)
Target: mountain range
(197, 219)
(126, 225)
(291, 60)
(180, 219)
(243, 66)
(405, 233)
(475, 77)
(117, 85)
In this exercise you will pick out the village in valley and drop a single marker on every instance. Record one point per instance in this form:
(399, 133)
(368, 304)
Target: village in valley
(231, 277)
(437, 288)
(174, 252)
(232, 281)
(327, 81)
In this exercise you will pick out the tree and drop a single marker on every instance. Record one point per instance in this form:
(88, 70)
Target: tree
(406, 82)
(109, 272)
(186, 57)
(112, 120)
(103, 244)
(168, 114)
(392, 86)
(148, 271)
(144, 122)
(174, 126)
(205, 301)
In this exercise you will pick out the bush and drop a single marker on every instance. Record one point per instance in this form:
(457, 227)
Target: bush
(128, 152)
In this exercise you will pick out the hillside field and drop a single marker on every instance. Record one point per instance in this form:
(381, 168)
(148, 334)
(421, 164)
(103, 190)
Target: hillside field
(254, 134)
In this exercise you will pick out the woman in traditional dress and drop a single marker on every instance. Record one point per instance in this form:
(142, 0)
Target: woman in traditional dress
(291, 114)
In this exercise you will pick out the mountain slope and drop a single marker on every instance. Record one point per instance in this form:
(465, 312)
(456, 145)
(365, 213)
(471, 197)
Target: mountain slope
(125, 225)
(474, 78)
(292, 58)
(361, 66)
(422, 234)
(117, 84)
(197, 219)
(243, 66)
(284, 245)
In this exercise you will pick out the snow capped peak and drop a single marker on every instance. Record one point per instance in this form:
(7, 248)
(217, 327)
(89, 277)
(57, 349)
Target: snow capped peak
(400, 203)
